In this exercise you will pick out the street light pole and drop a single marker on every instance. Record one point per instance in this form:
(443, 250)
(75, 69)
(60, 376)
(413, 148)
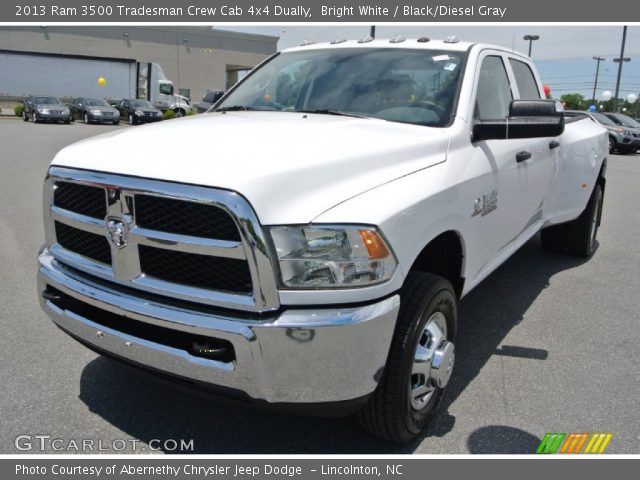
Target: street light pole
(595, 84)
(620, 61)
(531, 39)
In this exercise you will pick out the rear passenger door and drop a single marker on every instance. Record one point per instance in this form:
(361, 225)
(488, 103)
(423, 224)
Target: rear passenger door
(538, 171)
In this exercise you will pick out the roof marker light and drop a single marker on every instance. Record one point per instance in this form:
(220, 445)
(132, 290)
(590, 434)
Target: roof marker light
(307, 42)
(366, 39)
(451, 39)
(337, 40)
(397, 39)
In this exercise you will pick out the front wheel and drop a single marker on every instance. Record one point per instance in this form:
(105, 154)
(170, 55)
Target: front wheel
(132, 120)
(612, 145)
(420, 361)
(180, 113)
(86, 119)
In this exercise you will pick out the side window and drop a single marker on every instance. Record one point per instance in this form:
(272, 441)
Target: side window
(526, 81)
(494, 92)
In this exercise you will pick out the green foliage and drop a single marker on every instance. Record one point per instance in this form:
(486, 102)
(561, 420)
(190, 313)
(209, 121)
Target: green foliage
(18, 109)
(575, 101)
(169, 114)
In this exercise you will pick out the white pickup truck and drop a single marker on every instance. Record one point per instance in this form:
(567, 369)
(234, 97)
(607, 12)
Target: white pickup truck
(307, 241)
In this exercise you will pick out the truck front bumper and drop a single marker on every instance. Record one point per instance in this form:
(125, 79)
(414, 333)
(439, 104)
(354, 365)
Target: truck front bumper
(301, 356)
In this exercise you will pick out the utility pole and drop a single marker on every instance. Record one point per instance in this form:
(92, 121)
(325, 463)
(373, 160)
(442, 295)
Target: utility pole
(531, 39)
(620, 61)
(595, 84)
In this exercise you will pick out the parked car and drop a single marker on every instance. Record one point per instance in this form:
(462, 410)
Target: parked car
(319, 266)
(42, 108)
(138, 111)
(629, 124)
(94, 110)
(211, 97)
(621, 139)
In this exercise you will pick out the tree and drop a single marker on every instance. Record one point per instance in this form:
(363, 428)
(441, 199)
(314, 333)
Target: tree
(574, 101)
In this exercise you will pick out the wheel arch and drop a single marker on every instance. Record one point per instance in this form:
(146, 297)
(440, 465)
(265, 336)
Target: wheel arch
(443, 255)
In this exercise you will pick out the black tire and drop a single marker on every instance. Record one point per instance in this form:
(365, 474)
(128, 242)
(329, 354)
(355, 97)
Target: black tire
(132, 119)
(180, 112)
(67, 122)
(577, 237)
(117, 122)
(34, 117)
(554, 239)
(390, 413)
(612, 145)
(24, 116)
(584, 229)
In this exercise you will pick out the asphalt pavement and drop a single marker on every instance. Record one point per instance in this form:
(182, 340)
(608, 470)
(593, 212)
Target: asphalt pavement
(547, 343)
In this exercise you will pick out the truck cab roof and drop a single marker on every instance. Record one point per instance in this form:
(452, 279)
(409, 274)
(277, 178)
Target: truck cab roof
(401, 43)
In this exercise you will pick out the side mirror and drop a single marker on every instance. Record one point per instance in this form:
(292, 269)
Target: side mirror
(527, 119)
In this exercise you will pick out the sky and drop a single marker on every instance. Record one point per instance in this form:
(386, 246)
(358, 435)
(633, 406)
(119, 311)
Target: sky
(563, 54)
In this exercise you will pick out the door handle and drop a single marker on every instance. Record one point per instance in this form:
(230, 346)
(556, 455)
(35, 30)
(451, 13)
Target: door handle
(522, 156)
(553, 144)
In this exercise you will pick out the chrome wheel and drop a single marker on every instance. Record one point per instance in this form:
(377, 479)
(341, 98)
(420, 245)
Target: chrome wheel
(432, 361)
(86, 119)
(130, 119)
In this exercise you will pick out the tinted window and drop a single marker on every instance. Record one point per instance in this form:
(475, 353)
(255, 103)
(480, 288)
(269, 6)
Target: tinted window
(208, 97)
(46, 101)
(95, 102)
(141, 104)
(525, 80)
(623, 120)
(603, 119)
(494, 92)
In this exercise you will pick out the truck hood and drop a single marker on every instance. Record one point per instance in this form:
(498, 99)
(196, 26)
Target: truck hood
(291, 167)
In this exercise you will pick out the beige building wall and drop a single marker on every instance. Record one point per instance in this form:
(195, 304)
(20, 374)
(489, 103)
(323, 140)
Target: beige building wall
(194, 58)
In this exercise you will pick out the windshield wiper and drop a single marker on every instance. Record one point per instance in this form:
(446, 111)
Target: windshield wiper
(329, 111)
(233, 108)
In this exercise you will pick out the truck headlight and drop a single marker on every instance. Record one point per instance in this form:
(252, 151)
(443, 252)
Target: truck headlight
(332, 256)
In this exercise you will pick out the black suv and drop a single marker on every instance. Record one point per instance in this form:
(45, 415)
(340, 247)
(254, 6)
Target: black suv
(41, 108)
(138, 111)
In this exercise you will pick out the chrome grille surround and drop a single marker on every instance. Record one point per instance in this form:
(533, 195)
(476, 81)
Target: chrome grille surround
(125, 266)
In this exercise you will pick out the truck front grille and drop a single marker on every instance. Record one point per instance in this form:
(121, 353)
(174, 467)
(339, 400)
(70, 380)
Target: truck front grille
(84, 243)
(202, 271)
(185, 242)
(184, 218)
(83, 199)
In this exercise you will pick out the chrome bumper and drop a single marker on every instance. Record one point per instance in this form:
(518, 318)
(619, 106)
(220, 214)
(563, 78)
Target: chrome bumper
(300, 356)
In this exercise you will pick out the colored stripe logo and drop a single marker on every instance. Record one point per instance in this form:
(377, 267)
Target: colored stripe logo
(574, 443)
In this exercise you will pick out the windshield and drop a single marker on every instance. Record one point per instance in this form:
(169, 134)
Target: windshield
(46, 101)
(603, 119)
(409, 86)
(93, 102)
(626, 121)
(141, 104)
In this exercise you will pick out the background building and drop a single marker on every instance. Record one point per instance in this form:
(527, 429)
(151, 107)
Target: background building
(194, 58)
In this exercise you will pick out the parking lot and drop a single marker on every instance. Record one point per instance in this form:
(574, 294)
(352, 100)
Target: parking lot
(548, 343)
